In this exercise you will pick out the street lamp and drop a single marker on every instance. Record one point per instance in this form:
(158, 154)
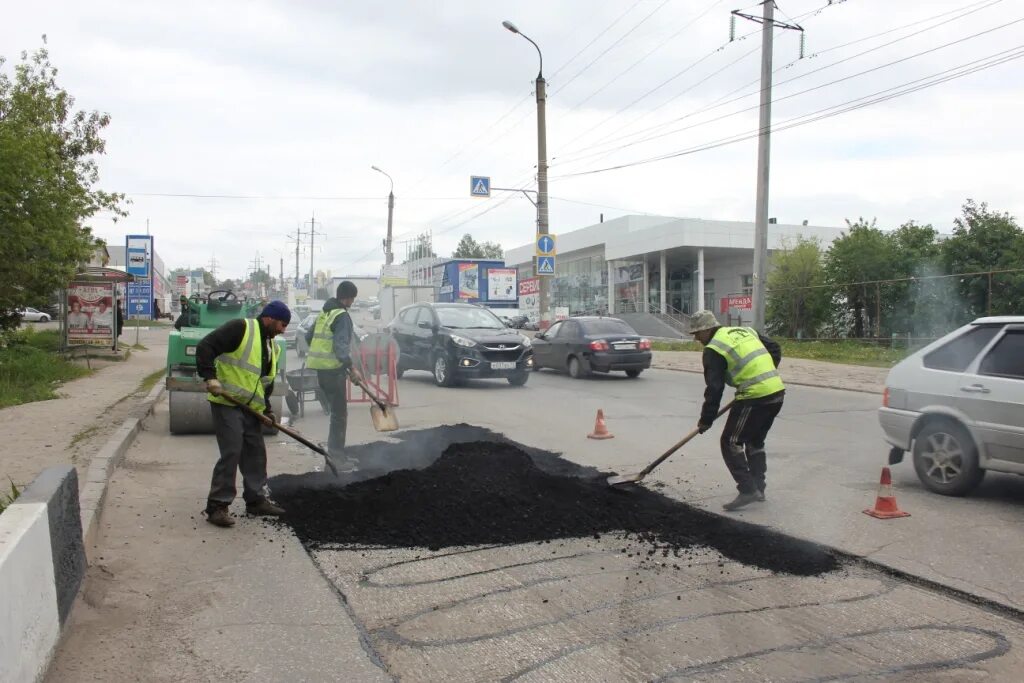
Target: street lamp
(388, 256)
(542, 171)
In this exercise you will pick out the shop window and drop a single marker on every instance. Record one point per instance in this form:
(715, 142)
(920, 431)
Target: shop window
(748, 285)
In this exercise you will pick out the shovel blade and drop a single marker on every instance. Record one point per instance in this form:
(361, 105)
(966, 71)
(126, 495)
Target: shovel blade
(383, 420)
(620, 479)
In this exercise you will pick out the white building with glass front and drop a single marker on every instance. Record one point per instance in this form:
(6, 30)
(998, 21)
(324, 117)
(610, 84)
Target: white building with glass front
(657, 264)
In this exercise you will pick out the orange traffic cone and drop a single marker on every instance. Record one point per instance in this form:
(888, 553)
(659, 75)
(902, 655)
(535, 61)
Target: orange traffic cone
(885, 503)
(600, 429)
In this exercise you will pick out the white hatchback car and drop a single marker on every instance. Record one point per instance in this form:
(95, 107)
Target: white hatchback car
(958, 405)
(31, 315)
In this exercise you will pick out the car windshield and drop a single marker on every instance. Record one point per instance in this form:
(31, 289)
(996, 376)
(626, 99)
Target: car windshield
(468, 318)
(607, 327)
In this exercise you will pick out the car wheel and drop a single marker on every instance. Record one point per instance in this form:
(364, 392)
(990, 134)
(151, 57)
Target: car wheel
(576, 369)
(633, 374)
(442, 371)
(519, 379)
(946, 459)
(44, 319)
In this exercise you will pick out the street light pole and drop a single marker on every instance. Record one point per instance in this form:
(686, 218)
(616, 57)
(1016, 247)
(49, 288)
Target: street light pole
(389, 257)
(542, 173)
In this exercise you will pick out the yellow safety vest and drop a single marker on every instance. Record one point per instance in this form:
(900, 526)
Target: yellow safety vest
(749, 366)
(321, 350)
(239, 371)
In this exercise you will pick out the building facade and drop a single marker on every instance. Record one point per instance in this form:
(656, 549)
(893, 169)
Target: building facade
(657, 264)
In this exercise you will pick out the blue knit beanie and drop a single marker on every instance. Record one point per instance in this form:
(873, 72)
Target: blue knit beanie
(278, 311)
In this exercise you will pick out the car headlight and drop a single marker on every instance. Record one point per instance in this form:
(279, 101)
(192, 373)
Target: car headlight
(463, 341)
(527, 342)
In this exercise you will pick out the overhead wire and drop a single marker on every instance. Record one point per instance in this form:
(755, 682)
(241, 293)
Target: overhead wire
(698, 124)
(887, 94)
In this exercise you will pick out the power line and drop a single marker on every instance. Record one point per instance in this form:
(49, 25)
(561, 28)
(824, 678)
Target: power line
(801, 92)
(962, 70)
(596, 38)
(276, 197)
(723, 100)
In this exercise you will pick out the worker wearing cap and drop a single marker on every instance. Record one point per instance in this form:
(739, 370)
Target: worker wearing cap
(330, 354)
(747, 361)
(239, 359)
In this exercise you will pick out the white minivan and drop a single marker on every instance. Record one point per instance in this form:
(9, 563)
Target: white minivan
(958, 405)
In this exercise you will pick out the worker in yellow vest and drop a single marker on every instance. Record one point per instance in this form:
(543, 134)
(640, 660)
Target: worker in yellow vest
(240, 359)
(330, 354)
(748, 362)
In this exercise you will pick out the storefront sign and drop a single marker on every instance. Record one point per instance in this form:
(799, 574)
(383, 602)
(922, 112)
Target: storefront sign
(91, 318)
(501, 284)
(736, 301)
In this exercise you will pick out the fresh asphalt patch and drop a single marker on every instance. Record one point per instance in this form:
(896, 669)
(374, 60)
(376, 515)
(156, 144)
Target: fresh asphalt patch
(461, 485)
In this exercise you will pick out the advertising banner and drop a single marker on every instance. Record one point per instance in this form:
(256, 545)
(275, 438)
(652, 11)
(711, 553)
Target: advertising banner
(469, 281)
(91, 319)
(140, 300)
(501, 284)
(743, 302)
(529, 296)
(138, 255)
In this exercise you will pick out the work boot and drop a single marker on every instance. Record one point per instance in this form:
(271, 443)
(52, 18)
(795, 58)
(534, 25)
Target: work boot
(264, 508)
(741, 501)
(219, 516)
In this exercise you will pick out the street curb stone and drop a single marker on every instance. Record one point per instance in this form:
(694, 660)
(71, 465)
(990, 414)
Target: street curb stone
(104, 463)
(817, 385)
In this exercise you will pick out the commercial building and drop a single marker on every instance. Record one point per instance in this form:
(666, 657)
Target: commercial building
(660, 265)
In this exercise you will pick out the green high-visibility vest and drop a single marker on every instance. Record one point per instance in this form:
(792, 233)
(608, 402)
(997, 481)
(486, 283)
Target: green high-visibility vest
(239, 371)
(749, 366)
(321, 349)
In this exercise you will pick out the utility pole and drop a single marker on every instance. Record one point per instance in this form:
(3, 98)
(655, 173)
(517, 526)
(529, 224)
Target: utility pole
(312, 237)
(213, 268)
(768, 24)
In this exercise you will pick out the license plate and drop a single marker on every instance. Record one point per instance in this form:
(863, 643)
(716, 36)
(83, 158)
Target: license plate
(624, 347)
(504, 365)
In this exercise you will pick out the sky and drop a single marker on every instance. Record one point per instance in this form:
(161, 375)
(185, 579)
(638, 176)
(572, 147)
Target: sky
(273, 113)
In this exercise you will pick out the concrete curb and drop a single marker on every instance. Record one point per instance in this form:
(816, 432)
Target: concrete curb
(104, 463)
(787, 381)
(42, 564)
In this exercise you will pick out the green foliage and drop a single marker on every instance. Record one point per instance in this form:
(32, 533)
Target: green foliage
(48, 177)
(985, 240)
(470, 248)
(861, 255)
(6, 498)
(30, 368)
(797, 303)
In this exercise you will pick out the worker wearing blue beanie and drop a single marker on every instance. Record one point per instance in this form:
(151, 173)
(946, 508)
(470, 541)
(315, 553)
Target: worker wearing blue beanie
(239, 361)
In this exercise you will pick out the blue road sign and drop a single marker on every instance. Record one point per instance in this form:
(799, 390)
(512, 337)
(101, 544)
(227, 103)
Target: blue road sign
(140, 300)
(545, 245)
(545, 265)
(480, 186)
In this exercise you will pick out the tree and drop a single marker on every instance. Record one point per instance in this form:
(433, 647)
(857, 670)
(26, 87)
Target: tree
(48, 177)
(983, 241)
(470, 248)
(920, 305)
(859, 256)
(798, 303)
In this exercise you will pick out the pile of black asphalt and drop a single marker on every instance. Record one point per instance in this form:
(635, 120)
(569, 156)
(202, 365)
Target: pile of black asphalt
(462, 485)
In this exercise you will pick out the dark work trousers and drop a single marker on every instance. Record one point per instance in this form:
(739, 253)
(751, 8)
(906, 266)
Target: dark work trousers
(240, 438)
(743, 442)
(332, 382)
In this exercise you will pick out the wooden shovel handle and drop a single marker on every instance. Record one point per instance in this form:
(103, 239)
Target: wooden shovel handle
(682, 442)
(270, 423)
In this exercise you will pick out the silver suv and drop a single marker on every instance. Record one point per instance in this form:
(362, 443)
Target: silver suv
(958, 405)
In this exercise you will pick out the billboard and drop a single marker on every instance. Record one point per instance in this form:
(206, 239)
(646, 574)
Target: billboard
(138, 255)
(91, 319)
(529, 296)
(469, 281)
(501, 284)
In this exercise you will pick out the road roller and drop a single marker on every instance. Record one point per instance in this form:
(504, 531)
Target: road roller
(186, 392)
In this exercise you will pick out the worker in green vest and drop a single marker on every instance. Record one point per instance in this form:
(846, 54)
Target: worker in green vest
(240, 359)
(748, 362)
(330, 354)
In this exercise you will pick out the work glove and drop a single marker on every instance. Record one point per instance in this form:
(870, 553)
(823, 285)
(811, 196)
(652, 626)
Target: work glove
(269, 414)
(703, 427)
(214, 387)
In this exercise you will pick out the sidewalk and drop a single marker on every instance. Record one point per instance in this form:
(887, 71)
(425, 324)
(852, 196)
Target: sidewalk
(71, 429)
(813, 373)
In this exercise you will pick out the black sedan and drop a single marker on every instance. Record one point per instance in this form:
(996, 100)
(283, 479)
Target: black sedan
(592, 344)
(459, 341)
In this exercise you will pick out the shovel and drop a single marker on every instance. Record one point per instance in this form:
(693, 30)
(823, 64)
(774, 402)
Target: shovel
(290, 432)
(383, 418)
(632, 478)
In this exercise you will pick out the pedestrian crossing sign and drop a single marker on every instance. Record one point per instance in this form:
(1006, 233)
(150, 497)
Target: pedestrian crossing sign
(479, 186)
(545, 265)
